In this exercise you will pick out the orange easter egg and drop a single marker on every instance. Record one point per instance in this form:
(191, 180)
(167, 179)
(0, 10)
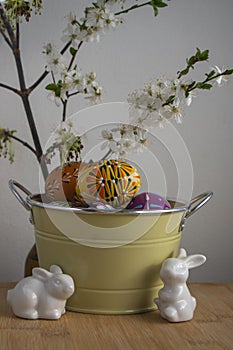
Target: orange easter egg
(61, 182)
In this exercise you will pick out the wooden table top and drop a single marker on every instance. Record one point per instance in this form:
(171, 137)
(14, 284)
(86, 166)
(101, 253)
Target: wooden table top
(211, 327)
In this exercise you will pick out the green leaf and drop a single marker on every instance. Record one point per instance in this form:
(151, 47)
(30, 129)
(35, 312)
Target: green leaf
(159, 3)
(228, 72)
(204, 55)
(211, 74)
(51, 87)
(204, 86)
(95, 5)
(170, 99)
(192, 84)
(183, 72)
(192, 60)
(155, 10)
(57, 91)
(199, 56)
(55, 87)
(72, 51)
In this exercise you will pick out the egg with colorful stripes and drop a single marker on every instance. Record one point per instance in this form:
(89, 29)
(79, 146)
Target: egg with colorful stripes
(114, 182)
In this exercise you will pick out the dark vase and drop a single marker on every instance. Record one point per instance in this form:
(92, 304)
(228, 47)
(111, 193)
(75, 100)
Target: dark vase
(31, 261)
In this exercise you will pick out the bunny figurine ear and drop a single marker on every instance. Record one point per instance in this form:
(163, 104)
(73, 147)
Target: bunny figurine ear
(55, 269)
(40, 273)
(182, 253)
(195, 260)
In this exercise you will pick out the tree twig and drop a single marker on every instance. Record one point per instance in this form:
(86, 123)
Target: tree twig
(8, 134)
(73, 94)
(207, 80)
(6, 39)
(28, 111)
(64, 102)
(134, 7)
(74, 55)
(17, 34)
(38, 81)
(5, 86)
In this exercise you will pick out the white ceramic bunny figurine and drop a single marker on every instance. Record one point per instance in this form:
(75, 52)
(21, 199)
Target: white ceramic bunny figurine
(42, 295)
(174, 301)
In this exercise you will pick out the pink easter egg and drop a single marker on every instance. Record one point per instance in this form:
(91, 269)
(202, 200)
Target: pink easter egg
(148, 201)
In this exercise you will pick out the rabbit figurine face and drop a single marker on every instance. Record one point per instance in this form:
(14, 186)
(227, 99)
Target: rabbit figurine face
(174, 271)
(42, 295)
(175, 302)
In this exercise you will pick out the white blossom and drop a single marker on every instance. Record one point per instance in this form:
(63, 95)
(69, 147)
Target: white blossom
(173, 111)
(189, 99)
(55, 62)
(222, 79)
(160, 100)
(74, 34)
(52, 97)
(101, 15)
(94, 92)
(125, 138)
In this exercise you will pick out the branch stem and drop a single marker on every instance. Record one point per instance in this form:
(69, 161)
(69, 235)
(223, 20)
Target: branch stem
(16, 91)
(64, 102)
(6, 39)
(8, 134)
(134, 7)
(73, 94)
(29, 114)
(206, 81)
(74, 55)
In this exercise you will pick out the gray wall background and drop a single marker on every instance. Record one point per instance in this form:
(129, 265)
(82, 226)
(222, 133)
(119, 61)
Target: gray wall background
(124, 60)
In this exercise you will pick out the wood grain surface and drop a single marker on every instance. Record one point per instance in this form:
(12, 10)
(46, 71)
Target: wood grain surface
(211, 327)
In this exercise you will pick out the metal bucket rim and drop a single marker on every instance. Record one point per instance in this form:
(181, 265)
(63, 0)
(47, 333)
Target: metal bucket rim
(32, 201)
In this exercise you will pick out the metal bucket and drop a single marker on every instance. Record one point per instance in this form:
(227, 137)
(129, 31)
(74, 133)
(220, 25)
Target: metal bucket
(114, 258)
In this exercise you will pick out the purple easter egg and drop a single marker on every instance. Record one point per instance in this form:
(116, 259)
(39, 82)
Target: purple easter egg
(148, 201)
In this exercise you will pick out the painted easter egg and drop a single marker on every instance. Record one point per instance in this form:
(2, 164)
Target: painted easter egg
(60, 183)
(113, 181)
(148, 201)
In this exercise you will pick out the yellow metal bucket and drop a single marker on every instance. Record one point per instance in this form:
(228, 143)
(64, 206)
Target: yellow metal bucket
(114, 258)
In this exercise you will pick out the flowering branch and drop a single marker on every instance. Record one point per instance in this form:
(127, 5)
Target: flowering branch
(159, 101)
(6, 143)
(45, 73)
(218, 77)
(198, 57)
(67, 79)
(10, 15)
(68, 144)
(7, 26)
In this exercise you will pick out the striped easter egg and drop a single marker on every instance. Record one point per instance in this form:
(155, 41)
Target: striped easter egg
(114, 182)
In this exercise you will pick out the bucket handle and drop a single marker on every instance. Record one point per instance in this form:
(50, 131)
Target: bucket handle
(201, 200)
(13, 185)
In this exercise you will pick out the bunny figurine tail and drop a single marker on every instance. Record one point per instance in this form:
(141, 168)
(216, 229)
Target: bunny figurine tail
(174, 301)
